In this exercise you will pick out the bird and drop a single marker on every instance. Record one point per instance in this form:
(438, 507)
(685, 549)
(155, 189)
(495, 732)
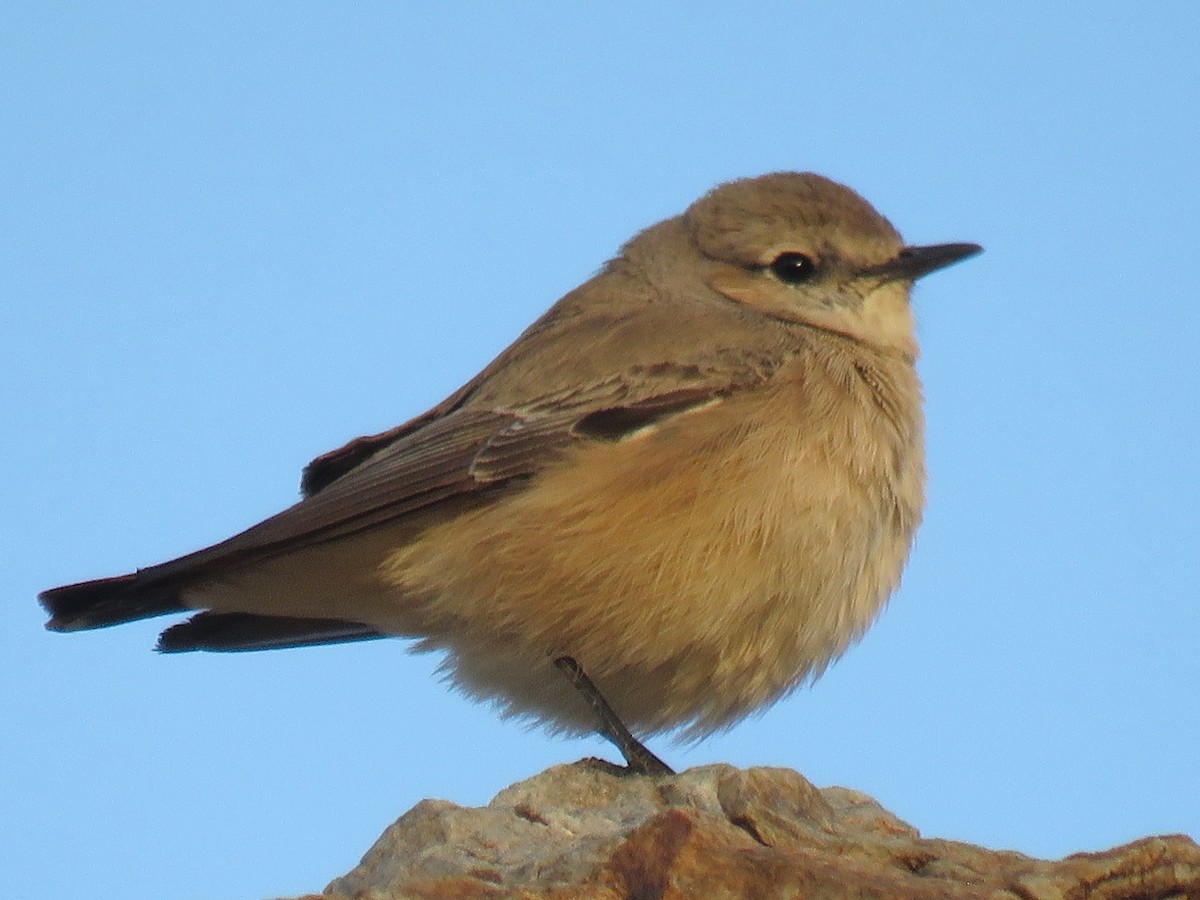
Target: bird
(679, 495)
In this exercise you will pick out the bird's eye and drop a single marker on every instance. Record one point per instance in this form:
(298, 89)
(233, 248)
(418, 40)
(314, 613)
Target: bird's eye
(793, 268)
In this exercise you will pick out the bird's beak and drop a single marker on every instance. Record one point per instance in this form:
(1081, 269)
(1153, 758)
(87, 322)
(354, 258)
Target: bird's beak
(913, 262)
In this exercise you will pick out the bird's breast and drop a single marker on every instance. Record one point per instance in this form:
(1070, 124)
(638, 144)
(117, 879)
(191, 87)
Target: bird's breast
(696, 570)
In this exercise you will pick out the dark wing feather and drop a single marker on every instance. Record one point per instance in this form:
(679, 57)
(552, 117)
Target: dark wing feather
(328, 467)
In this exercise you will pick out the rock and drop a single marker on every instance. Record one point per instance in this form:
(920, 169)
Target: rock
(584, 831)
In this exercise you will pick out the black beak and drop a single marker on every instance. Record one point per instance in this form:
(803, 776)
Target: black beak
(913, 262)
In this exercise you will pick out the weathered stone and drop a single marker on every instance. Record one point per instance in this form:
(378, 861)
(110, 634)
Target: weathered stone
(583, 832)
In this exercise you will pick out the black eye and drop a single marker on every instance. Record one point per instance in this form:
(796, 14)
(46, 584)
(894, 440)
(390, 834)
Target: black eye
(793, 268)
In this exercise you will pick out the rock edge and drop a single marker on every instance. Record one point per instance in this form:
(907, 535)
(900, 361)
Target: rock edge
(582, 831)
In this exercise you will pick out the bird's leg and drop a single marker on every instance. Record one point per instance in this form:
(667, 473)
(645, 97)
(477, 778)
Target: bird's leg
(639, 760)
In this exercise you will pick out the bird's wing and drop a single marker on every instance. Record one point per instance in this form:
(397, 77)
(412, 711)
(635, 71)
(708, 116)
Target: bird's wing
(467, 453)
(460, 454)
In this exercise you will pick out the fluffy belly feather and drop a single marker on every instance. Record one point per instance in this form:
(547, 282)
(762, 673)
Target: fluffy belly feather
(696, 572)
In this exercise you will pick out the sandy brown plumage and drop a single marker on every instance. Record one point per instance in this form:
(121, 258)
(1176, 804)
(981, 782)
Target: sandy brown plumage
(698, 474)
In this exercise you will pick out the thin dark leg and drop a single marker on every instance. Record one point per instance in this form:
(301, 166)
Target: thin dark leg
(639, 760)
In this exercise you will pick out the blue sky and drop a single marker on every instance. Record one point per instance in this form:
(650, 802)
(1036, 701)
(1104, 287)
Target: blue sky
(236, 236)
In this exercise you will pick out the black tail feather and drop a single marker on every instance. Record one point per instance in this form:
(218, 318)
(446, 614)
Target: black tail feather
(127, 598)
(228, 632)
(108, 601)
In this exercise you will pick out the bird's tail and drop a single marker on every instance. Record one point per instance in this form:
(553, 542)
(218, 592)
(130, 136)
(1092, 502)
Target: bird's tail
(109, 601)
(127, 598)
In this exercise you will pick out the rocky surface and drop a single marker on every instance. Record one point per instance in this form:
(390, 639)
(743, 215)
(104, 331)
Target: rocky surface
(582, 831)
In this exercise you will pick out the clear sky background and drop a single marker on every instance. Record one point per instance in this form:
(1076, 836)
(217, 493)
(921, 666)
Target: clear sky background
(233, 236)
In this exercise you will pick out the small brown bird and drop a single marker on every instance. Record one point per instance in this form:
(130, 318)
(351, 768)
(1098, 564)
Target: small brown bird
(689, 486)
